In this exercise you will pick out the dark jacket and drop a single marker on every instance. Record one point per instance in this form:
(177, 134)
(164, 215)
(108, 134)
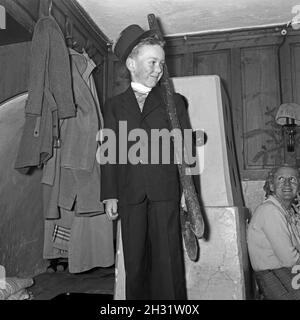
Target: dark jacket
(131, 183)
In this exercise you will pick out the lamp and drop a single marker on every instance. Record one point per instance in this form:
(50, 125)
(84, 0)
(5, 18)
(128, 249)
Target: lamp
(288, 116)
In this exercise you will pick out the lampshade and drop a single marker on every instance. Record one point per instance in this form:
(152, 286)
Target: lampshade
(288, 110)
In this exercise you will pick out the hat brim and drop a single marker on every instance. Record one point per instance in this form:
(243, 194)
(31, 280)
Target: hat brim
(144, 35)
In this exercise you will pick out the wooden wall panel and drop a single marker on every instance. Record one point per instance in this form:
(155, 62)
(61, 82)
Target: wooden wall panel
(175, 64)
(295, 70)
(209, 63)
(259, 69)
(294, 81)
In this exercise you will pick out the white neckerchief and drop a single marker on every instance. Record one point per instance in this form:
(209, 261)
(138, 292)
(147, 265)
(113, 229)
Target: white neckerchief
(140, 88)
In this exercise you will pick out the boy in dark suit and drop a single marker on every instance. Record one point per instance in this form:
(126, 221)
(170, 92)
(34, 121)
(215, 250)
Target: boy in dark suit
(146, 195)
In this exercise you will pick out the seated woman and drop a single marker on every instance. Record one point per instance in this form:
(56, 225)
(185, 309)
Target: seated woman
(274, 237)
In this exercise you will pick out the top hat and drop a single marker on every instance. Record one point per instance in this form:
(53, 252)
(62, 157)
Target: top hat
(129, 38)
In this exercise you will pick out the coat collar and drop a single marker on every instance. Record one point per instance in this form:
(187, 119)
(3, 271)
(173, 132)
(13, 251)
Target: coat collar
(153, 101)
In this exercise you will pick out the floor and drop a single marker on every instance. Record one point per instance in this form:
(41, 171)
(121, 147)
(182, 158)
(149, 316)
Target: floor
(64, 285)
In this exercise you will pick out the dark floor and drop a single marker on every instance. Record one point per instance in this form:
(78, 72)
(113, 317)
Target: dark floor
(64, 284)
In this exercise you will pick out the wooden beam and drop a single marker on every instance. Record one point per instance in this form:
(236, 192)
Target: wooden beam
(19, 14)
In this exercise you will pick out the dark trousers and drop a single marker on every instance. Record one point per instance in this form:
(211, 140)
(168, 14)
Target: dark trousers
(153, 253)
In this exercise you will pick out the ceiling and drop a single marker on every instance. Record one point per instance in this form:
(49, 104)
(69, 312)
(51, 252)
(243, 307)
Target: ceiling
(180, 17)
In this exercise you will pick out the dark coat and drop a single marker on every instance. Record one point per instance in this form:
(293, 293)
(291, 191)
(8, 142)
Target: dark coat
(50, 95)
(131, 183)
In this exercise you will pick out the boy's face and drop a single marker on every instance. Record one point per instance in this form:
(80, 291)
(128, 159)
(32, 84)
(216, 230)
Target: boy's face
(147, 66)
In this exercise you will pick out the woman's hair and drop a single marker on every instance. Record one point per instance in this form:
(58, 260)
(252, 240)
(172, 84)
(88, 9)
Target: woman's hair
(270, 178)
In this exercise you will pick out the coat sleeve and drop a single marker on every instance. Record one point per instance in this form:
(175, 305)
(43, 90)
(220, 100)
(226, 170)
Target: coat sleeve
(38, 60)
(109, 170)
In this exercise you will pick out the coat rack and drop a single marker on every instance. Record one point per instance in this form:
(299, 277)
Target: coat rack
(45, 9)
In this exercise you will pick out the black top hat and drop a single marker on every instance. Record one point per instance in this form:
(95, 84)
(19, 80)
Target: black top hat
(129, 38)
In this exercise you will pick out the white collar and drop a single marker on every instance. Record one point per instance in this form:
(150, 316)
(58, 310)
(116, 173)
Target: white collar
(140, 88)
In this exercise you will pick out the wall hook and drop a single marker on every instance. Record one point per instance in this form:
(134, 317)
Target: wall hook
(69, 32)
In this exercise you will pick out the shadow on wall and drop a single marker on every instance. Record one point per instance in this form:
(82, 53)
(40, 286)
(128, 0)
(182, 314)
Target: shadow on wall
(21, 228)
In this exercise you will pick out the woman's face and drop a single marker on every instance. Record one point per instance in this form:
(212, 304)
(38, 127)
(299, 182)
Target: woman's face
(286, 183)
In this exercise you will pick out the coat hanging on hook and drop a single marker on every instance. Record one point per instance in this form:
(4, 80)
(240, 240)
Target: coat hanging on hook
(49, 93)
(45, 8)
(69, 35)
